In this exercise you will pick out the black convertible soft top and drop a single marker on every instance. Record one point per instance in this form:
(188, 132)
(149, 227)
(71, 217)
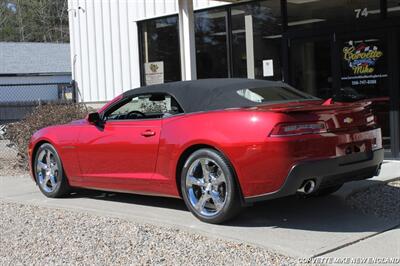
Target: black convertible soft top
(208, 94)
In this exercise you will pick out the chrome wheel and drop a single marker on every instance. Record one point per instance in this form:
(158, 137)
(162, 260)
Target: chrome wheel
(206, 186)
(47, 170)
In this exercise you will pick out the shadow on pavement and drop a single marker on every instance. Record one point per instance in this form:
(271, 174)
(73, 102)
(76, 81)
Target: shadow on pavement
(326, 214)
(151, 201)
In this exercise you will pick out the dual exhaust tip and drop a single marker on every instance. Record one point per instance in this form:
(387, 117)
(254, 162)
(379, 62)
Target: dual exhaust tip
(308, 187)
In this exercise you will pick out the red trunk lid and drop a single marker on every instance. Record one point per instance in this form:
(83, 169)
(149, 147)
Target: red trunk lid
(337, 116)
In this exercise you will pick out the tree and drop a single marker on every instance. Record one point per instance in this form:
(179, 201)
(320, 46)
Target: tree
(8, 25)
(34, 20)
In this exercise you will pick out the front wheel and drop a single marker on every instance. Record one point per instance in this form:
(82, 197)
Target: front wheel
(208, 187)
(49, 172)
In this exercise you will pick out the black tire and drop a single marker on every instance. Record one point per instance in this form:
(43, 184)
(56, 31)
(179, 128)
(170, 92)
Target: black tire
(62, 187)
(326, 191)
(231, 195)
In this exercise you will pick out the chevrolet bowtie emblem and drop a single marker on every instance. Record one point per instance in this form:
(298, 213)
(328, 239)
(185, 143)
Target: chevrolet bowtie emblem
(348, 120)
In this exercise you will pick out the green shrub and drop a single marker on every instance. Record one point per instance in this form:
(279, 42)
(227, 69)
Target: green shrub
(42, 116)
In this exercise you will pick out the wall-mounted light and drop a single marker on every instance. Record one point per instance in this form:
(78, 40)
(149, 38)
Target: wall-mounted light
(74, 9)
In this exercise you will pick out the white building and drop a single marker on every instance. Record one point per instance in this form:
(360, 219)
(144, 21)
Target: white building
(104, 41)
(314, 45)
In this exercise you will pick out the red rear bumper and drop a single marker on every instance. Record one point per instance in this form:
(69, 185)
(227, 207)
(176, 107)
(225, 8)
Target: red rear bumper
(264, 168)
(326, 173)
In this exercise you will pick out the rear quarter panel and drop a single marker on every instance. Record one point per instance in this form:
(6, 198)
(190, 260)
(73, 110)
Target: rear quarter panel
(240, 135)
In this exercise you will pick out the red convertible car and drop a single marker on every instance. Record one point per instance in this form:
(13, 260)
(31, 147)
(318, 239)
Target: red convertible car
(219, 144)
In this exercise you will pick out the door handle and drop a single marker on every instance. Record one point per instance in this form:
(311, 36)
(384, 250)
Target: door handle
(148, 133)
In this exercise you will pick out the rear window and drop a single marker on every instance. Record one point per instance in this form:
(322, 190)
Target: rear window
(272, 94)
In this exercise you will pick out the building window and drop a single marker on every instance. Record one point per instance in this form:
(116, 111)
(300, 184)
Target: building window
(257, 40)
(364, 75)
(211, 43)
(397, 104)
(160, 50)
(310, 66)
(393, 8)
(308, 14)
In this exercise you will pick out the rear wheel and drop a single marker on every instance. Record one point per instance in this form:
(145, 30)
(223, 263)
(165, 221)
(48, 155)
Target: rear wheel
(208, 187)
(49, 172)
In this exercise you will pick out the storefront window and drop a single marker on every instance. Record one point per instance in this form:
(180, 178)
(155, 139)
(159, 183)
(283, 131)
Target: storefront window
(393, 8)
(310, 66)
(307, 14)
(397, 103)
(211, 43)
(364, 66)
(364, 75)
(257, 40)
(160, 50)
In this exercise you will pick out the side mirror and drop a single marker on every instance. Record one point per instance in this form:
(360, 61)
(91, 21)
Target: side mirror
(93, 118)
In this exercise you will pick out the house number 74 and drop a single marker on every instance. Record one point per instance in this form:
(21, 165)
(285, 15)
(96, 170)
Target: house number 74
(361, 12)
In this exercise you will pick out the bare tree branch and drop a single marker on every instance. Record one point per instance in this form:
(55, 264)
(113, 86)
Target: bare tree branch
(34, 20)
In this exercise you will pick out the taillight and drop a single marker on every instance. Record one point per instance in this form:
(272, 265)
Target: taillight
(295, 129)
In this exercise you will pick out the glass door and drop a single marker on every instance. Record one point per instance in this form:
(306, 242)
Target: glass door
(256, 33)
(159, 55)
(310, 68)
(396, 94)
(352, 67)
(363, 60)
(211, 43)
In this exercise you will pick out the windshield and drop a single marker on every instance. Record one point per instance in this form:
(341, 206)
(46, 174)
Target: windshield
(273, 94)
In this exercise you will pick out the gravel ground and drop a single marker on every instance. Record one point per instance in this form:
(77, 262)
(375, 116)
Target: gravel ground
(43, 236)
(380, 200)
(8, 161)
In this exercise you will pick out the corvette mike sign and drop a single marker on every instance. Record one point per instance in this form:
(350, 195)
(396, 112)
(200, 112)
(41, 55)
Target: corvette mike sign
(363, 62)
